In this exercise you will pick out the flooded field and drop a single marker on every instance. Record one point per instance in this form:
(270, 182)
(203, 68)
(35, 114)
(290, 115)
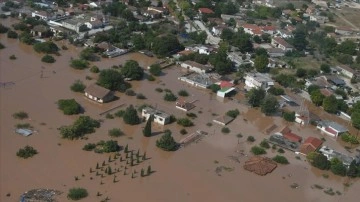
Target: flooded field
(184, 175)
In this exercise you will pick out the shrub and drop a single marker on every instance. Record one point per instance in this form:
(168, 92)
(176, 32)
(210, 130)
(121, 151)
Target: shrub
(185, 122)
(24, 125)
(48, 59)
(20, 115)
(79, 64)
(170, 97)
(109, 116)
(155, 69)
(83, 125)
(233, 113)
(78, 86)
(115, 132)
(258, 150)
(140, 96)
(130, 92)
(77, 193)
(12, 57)
(250, 139)
(2, 46)
(160, 90)
(191, 115)
(47, 47)
(264, 144)
(12, 34)
(183, 93)
(183, 131)
(289, 116)
(167, 142)
(214, 88)
(225, 130)
(69, 106)
(107, 147)
(26, 152)
(280, 159)
(281, 151)
(151, 78)
(3, 29)
(130, 116)
(94, 69)
(276, 90)
(349, 138)
(119, 113)
(89, 147)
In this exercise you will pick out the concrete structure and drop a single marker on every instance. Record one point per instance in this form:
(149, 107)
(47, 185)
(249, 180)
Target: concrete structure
(158, 116)
(223, 91)
(40, 31)
(185, 106)
(98, 93)
(331, 128)
(196, 67)
(346, 70)
(73, 24)
(344, 31)
(223, 120)
(330, 154)
(319, 19)
(43, 15)
(258, 80)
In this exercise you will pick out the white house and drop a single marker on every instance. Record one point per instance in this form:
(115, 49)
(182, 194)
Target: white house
(217, 30)
(258, 80)
(330, 154)
(344, 31)
(331, 128)
(196, 67)
(252, 29)
(40, 14)
(98, 93)
(346, 70)
(278, 42)
(158, 116)
(94, 24)
(319, 19)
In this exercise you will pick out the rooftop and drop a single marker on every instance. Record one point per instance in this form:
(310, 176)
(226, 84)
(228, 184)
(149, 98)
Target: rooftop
(155, 112)
(339, 128)
(97, 91)
(310, 144)
(260, 165)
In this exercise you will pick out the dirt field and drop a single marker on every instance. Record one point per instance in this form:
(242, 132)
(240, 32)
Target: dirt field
(186, 175)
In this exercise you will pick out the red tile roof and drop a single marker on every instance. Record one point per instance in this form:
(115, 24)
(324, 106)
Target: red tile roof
(250, 26)
(325, 92)
(311, 144)
(268, 28)
(206, 10)
(330, 130)
(292, 137)
(226, 84)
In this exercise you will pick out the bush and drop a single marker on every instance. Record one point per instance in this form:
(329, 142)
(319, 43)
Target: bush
(69, 106)
(233, 113)
(191, 115)
(185, 122)
(109, 116)
(150, 78)
(183, 131)
(12, 57)
(89, 147)
(225, 130)
(250, 139)
(94, 69)
(281, 151)
(79, 64)
(47, 47)
(77, 193)
(12, 34)
(107, 147)
(349, 138)
(115, 132)
(289, 116)
(3, 29)
(167, 142)
(83, 125)
(160, 90)
(120, 113)
(130, 116)
(48, 59)
(264, 144)
(280, 159)
(20, 115)
(258, 150)
(78, 86)
(170, 97)
(183, 93)
(26, 152)
(276, 91)
(140, 96)
(130, 92)
(2, 46)
(155, 69)
(214, 88)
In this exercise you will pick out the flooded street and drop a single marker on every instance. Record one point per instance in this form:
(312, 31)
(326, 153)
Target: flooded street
(187, 175)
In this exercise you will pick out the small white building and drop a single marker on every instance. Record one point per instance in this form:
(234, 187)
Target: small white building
(258, 80)
(331, 128)
(158, 116)
(278, 42)
(330, 154)
(40, 14)
(196, 67)
(346, 70)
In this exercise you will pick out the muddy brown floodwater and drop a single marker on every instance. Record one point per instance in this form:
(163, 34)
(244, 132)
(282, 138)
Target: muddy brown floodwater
(185, 175)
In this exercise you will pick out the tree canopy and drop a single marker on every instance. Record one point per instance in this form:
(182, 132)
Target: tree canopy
(167, 142)
(130, 116)
(255, 96)
(132, 70)
(69, 106)
(269, 105)
(83, 125)
(110, 79)
(46, 47)
(261, 63)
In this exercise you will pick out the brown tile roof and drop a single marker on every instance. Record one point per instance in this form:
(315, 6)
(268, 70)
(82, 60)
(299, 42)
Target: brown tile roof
(260, 165)
(206, 10)
(286, 132)
(97, 91)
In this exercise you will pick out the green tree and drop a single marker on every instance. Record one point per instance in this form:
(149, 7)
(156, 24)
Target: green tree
(330, 104)
(347, 47)
(69, 106)
(48, 59)
(78, 86)
(280, 159)
(320, 161)
(89, 54)
(257, 150)
(79, 64)
(317, 97)
(83, 125)
(147, 130)
(155, 69)
(269, 105)
(227, 34)
(165, 45)
(337, 167)
(220, 61)
(312, 88)
(167, 142)
(276, 90)
(289, 116)
(261, 63)
(3, 29)
(325, 68)
(115, 132)
(77, 193)
(170, 97)
(132, 70)
(255, 96)
(110, 79)
(299, 40)
(233, 113)
(353, 170)
(355, 119)
(300, 72)
(130, 116)
(12, 34)
(109, 146)
(47, 47)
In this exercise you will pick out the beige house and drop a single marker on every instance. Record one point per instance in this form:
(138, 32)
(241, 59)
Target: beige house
(98, 93)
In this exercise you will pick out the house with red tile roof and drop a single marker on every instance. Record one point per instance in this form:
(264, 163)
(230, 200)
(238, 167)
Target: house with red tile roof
(331, 128)
(287, 134)
(268, 29)
(311, 144)
(205, 11)
(252, 29)
(281, 43)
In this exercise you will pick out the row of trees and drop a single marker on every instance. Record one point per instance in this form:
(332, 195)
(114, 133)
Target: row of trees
(258, 98)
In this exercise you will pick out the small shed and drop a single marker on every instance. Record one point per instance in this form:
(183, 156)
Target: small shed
(98, 93)
(24, 131)
(222, 92)
(223, 120)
